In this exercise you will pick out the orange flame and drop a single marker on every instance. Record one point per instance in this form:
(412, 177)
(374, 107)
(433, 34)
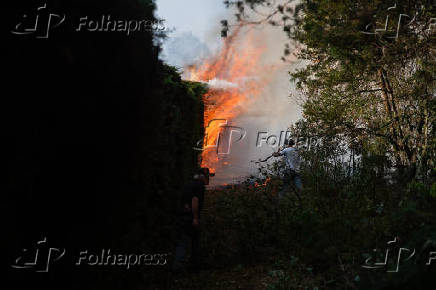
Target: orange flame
(265, 183)
(238, 66)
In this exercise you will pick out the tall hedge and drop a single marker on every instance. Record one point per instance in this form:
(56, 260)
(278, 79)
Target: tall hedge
(99, 136)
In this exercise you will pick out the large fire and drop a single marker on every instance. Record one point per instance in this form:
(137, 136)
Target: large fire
(236, 78)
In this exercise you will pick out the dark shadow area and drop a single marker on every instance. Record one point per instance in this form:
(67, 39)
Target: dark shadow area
(97, 131)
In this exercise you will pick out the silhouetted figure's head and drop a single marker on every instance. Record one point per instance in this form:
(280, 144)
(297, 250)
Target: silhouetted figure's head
(290, 142)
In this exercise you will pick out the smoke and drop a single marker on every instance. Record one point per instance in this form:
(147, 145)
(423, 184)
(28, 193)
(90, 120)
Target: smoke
(220, 84)
(267, 115)
(184, 49)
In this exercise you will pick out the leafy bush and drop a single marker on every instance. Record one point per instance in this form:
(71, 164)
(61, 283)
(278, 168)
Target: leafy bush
(340, 217)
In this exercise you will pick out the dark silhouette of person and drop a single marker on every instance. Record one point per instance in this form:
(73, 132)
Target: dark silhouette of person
(188, 221)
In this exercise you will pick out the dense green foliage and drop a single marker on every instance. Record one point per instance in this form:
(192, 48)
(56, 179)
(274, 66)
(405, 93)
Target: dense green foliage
(376, 88)
(370, 77)
(323, 240)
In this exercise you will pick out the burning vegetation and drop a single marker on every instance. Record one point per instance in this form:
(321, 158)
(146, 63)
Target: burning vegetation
(234, 83)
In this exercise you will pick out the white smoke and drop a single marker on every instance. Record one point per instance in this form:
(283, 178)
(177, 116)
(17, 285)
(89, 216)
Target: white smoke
(272, 112)
(184, 49)
(269, 115)
(219, 84)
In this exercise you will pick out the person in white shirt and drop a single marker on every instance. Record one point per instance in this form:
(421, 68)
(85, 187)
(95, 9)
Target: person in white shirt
(291, 159)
